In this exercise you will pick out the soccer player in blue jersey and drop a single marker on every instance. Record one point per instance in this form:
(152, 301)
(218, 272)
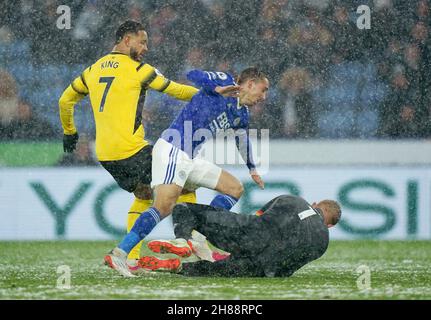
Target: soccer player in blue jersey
(221, 104)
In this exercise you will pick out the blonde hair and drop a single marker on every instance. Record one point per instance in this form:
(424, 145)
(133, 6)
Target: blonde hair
(250, 73)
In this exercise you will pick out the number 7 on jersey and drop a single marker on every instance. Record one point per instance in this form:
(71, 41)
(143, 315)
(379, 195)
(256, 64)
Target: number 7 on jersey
(108, 81)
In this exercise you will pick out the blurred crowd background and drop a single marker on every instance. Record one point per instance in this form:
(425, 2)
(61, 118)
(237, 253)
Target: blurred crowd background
(329, 79)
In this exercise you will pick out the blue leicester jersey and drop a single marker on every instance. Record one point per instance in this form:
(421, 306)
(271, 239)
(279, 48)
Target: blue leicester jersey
(208, 110)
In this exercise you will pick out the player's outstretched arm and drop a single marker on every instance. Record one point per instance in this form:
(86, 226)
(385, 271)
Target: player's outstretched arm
(228, 91)
(152, 78)
(180, 91)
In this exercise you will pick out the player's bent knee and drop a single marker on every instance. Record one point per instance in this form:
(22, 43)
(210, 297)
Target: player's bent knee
(165, 198)
(237, 190)
(240, 190)
(165, 209)
(164, 206)
(230, 185)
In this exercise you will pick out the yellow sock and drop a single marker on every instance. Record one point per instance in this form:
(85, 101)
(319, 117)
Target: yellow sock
(138, 206)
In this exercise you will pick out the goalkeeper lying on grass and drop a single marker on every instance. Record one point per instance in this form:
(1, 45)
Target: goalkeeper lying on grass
(283, 236)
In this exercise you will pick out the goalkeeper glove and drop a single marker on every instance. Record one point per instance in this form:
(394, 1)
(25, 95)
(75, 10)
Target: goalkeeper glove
(70, 141)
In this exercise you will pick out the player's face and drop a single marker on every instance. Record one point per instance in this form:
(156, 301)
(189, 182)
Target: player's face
(326, 214)
(255, 91)
(138, 44)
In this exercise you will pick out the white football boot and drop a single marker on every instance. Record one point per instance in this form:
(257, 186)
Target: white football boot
(117, 260)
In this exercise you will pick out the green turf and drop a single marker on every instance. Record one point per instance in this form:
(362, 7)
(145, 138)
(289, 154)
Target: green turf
(399, 270)
(21, 154)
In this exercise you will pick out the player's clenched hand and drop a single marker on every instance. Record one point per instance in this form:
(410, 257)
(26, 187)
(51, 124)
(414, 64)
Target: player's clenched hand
(70, 141)
(227, 91)
(257, 179)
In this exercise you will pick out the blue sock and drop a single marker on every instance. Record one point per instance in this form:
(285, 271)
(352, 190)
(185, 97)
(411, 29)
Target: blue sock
(142, 227)
(223, 201)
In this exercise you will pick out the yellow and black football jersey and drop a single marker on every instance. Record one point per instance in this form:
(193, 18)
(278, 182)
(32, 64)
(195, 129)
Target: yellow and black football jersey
(116, 85)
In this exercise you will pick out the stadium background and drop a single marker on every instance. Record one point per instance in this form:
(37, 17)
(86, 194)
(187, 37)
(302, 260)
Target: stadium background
(348, 109)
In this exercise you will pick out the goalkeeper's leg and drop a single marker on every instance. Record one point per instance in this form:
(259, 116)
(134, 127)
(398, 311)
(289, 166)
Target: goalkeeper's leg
(139, 206)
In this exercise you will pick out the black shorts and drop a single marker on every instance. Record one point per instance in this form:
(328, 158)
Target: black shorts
(131, 171)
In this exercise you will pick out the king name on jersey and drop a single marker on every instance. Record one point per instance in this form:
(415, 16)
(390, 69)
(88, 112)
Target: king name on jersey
(109, 64)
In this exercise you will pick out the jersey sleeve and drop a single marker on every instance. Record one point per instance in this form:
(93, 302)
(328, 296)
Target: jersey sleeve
(243, 143)
(208, 80)
(151, 78)
(244, 147)
(74, 93)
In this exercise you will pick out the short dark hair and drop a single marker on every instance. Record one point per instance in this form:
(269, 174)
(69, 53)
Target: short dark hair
(333, 208)
(251, 73)
(128, 26)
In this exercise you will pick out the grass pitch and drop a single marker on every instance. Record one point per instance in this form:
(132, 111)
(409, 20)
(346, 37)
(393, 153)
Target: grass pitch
(398, 270)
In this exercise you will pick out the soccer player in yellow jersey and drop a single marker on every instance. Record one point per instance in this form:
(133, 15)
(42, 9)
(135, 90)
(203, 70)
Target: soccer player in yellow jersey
(116, 85)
